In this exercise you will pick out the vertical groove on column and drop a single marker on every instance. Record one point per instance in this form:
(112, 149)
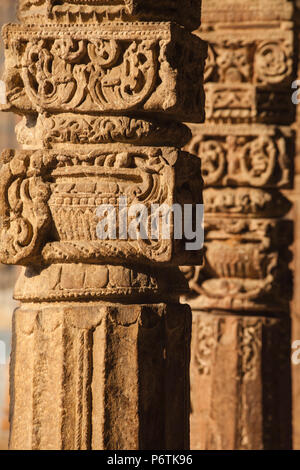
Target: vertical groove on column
(121, 392)
(151, 356)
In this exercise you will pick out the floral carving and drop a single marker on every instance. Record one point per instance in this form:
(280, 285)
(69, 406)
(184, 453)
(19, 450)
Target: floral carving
(86, 129)
(126, 85)
(260, 62)
(236, 160)
(91, 11)
(49, 202)
(273, 62)
(233, 63)
(53, 78)
(25, 215)
(239, 71)
(103, 72)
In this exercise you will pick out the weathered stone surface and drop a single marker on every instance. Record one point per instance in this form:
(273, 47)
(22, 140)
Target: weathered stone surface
(236, 11)
(101, 341)
(100, 377)
(244, 155)
(93, 11)
(56, 220)
(118, 68)
(248, 76)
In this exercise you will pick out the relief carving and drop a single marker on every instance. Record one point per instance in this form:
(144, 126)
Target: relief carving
(93, 11)
(100, 336)
(25, 215)
(243, 288)
(85, 129)
(249, 159)
(103, 72)
(245, 78)
(61, 191)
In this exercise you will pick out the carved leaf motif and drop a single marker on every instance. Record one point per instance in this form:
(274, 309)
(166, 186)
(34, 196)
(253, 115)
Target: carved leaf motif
(69, 50)
(48, 79)
(213, 161)
(128, 84)
(23, 208)
(233, 64)
(258, 160)
(59, 76)
(238, 160)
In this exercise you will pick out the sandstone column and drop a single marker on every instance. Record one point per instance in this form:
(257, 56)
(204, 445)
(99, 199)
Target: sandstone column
(101, 343)
(240, 372)
(294, 196)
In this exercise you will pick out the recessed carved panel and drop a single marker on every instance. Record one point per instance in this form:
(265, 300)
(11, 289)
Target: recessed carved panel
(242, 202)
(268, 61)
(245, 266)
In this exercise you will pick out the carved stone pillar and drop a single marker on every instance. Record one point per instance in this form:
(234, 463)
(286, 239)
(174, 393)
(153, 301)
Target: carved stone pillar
(101, 343)
(240, 366)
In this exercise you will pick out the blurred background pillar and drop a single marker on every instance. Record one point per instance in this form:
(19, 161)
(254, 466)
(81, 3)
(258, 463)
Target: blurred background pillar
(294, 196)
(240, 370)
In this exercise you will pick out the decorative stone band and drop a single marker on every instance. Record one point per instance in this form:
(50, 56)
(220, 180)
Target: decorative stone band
(94, 11)
(242, 203)
(64, 130)
(121, 67)
(99, 282)
(233, 12)
(85, 354)
(245, 266)
(244, 60)
(50, 199)
(239, 155)
(244, 103)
